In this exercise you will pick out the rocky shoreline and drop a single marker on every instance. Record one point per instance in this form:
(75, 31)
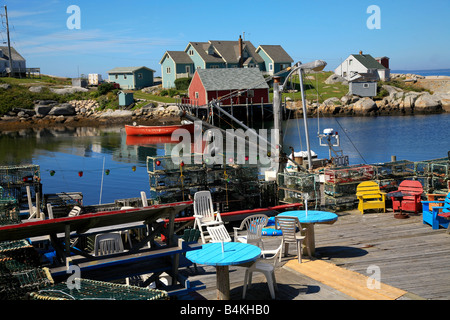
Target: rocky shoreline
(87, 113)
(83, 113)
(396, 102)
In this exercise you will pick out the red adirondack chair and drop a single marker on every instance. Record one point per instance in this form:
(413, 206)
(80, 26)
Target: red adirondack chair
(411, 201)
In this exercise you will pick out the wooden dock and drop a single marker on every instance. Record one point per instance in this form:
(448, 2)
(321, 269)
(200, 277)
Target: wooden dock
(410, 258)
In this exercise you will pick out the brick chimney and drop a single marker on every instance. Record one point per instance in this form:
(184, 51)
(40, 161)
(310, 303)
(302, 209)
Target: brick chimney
(241, 58)
(360, 53)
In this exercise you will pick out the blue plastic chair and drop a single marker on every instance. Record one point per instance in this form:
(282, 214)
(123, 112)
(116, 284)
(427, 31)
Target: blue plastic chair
(430, 215)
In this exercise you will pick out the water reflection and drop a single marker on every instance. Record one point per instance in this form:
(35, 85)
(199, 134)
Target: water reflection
(76, 159)
(67, 151)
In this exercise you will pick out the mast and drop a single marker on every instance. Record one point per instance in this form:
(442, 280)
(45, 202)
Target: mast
(317, 65)
(305, 122)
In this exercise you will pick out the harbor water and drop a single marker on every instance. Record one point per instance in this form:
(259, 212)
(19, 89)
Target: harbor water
(102, 165)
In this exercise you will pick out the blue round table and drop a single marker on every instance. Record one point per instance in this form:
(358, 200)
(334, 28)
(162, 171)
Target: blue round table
(234, 253)
(308, 220)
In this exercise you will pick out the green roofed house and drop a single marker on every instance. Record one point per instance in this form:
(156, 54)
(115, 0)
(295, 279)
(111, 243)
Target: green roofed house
(132, 78)
(362, 64)
(216, 54)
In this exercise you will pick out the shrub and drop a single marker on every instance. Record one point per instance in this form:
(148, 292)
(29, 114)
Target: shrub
(94, 94)
(172, 92)
(105, 87)
(182, 83)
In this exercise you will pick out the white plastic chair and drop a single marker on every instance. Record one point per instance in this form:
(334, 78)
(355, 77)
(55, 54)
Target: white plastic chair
(219, 234)
(266, 266)
(291, 233)
(108, 243)
(76, 210)
(204, 214)
(253, 226)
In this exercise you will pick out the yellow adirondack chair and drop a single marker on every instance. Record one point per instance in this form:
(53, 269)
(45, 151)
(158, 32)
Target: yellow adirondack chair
(370, 196)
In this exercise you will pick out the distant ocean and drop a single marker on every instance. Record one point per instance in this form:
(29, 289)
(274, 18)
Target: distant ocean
(436, 72)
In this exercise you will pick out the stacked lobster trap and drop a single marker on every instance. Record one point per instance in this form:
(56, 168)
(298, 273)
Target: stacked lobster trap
(232, 186)
(296, 187)
(340, 185)
(15, 179)
(20, 272)
(433, 174)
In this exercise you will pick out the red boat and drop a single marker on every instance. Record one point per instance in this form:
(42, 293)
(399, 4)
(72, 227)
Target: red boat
(162, 130)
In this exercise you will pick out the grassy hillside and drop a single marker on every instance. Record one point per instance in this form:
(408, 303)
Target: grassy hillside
(315, 88)
(18, 94)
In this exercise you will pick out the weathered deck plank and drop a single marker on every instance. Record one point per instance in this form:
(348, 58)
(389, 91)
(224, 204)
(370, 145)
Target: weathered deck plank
(410, 255)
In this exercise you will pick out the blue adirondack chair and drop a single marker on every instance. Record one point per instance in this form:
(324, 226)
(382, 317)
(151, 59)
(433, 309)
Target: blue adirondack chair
(436, 215)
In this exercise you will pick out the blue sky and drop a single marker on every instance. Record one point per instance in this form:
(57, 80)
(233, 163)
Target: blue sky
(414, 34)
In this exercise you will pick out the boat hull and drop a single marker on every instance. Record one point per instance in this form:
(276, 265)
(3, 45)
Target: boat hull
(156, 130)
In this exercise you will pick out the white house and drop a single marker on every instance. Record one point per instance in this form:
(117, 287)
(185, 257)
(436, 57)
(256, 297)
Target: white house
(362, 63)
(19, 63)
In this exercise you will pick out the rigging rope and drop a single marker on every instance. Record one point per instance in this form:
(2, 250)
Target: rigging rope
(343, 130)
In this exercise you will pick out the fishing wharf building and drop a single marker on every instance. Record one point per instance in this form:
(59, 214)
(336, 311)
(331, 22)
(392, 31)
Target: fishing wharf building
(209, 84)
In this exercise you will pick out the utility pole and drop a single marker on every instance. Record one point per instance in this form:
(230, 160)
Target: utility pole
(277, 122)
(9, 44)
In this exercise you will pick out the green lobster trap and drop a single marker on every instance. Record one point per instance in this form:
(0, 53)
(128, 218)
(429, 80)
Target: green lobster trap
(86, 289)
(9, 210)
(15, 179)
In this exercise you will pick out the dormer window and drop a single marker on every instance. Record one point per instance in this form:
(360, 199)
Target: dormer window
(210, 50)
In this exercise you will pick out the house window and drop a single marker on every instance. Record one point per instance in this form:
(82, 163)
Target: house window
(191, 52)
(365, 85)
(117, 76)
(188, 69)
(270, 66)
(350, 62)
(140, 76)
(124, 76)
(168, 70)
(196, 95)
